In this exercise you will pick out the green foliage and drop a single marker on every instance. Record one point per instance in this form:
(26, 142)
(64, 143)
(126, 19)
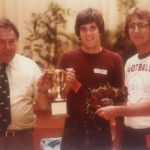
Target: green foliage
(125, 5)
(47, 34)
(117, 41)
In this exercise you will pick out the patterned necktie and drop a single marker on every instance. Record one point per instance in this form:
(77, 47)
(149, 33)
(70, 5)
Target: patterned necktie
(5, 116)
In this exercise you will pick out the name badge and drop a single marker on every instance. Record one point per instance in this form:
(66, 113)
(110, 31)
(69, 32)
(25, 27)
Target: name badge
(100, 71)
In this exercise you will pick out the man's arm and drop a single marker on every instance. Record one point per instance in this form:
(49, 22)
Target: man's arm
(140, 109)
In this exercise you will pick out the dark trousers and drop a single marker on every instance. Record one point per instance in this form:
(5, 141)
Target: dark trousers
(19, 141)
(135, 139)
(85, 136)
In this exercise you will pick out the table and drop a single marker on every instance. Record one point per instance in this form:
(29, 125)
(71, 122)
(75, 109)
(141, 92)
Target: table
(48, 126)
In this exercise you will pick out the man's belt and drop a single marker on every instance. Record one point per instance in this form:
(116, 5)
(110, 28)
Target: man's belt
(14, 133)
(139, 131)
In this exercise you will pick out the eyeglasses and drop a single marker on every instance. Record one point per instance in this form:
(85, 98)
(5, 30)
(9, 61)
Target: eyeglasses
(139, 25)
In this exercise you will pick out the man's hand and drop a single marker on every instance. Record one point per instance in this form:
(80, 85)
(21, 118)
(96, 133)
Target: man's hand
(70, 77)
(107, 112)
(44, 82)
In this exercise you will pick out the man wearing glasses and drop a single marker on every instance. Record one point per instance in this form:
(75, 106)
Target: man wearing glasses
(137, 81)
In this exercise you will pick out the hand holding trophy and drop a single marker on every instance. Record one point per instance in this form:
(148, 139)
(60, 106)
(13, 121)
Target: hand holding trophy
(58, 106)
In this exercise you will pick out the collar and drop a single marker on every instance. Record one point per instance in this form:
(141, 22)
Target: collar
(144, 55)
(13, 63)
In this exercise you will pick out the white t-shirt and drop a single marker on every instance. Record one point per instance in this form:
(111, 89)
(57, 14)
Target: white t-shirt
(137, 81)
(23, 74)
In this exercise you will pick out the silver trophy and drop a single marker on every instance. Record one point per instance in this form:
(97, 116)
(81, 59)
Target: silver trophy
(58, 106)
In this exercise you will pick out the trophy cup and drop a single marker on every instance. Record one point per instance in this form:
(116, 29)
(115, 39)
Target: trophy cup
(58, 105)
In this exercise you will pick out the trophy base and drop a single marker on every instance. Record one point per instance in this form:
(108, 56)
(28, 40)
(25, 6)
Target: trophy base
(59, 99)
(59, 107)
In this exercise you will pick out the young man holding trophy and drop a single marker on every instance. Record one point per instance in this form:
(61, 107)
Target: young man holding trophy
(93, 65)
(86, 68)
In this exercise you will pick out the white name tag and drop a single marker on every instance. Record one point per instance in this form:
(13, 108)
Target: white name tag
(100, 71)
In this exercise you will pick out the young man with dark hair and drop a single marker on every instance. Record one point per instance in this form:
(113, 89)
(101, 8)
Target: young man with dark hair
(92, 65)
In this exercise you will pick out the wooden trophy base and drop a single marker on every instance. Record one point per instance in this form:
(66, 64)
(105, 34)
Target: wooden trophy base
(59, 107)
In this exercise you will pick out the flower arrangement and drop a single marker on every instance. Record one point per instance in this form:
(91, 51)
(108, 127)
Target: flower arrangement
(102, 96)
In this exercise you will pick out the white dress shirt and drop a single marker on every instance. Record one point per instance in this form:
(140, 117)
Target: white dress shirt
(23, 74)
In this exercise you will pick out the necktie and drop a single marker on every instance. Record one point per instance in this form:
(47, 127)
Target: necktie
(5, 116)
